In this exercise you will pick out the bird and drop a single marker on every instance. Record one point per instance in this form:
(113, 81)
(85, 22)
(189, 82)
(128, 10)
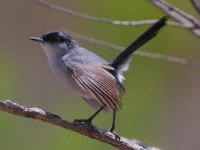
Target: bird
(88, 75)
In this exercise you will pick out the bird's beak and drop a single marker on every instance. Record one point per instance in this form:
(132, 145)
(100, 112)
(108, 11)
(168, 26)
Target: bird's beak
(40, 40)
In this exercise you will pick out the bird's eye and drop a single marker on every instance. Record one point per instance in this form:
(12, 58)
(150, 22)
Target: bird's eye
(56, 39)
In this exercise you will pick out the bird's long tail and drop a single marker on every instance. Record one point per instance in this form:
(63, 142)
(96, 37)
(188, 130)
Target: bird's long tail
(145, 37)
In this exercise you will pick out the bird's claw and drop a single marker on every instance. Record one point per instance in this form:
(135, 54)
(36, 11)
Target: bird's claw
(117, 137)
(87, 121)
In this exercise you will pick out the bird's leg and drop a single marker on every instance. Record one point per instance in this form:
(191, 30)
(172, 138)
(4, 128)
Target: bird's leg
(89, 120)
(117, 137)
(113, 122)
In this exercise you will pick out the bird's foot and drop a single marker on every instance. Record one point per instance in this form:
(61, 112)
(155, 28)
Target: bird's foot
(117, 137)
(87, 121)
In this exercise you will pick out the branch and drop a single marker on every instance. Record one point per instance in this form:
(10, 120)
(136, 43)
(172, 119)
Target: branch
(169, 9)
(94, 132)
(196, 5)
(139, 53)
(192, 24)
(103, 20)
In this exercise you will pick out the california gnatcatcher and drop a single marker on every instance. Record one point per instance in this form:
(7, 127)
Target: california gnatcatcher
(97, 81)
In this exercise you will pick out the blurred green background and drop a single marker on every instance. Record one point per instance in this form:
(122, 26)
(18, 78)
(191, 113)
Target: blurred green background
(160, 108)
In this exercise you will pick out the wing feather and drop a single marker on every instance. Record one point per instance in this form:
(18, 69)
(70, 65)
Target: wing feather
(97, 95)
(100, 83)
(108, 90)
(108, 96)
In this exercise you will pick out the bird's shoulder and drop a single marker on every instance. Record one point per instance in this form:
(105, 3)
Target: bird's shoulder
(83, 56)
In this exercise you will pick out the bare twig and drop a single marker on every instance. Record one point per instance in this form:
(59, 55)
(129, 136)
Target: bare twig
(139, 53)
(103, 20)
(94, 132)
(182, 17)
(196, 5)
(177, 10)
(186, 21)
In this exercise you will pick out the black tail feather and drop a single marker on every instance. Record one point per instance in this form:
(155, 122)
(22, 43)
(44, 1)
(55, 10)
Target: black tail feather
(145, 37)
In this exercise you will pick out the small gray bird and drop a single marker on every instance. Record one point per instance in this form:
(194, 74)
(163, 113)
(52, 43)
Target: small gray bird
(97, 81)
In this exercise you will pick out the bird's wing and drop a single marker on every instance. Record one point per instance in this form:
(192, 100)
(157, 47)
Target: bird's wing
(100, 83)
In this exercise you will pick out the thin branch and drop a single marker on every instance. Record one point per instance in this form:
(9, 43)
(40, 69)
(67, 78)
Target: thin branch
(103, 20)
(171, 10)
(139, 53)
(94, 132)
(182, 17)
(196, 5)
(177, 10)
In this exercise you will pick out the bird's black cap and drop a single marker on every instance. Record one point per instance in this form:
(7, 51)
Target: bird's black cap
(53, 37)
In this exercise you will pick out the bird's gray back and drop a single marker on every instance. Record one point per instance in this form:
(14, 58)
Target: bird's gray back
(81, 56)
